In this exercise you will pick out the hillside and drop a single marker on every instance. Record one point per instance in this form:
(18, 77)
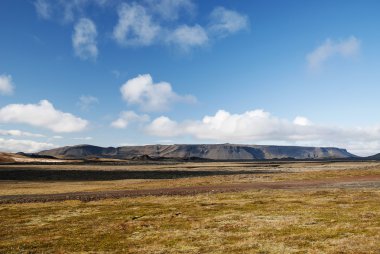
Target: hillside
(373, 157)
(26, 158)
(6, 158)
(210, 151)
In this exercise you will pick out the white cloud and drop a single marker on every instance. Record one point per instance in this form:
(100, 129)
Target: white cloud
(87, 101)
(18, 133)
(127, 117)
(145, 25)
(186, 37)
(164, 127)
(135, 26)
(43, 8)
(27, 146)
(223, 126)
(57, 137)
(151, 96)
(302, 121)
(171, 9)
(259, 126)
(42, 115)
(84, 39)
(345, 48)
(6, 85)
(224, 22)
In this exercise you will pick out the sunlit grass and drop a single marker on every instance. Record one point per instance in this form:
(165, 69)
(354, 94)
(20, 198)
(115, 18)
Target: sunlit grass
(326, 220)
(270, 221)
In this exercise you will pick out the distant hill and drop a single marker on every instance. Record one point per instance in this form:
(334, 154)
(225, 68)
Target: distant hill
(205, 151)
(25, 157)
(373, 157)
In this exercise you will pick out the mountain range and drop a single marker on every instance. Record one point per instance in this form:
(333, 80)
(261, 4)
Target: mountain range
(199, 151)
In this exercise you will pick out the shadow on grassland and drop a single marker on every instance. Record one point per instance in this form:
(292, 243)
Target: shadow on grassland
(101, 175)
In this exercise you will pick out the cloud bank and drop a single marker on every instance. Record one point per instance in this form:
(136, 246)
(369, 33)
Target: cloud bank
(259, 126)
(27, 146)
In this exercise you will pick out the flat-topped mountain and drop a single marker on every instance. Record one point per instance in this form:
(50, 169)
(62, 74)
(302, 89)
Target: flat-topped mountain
(202, 151)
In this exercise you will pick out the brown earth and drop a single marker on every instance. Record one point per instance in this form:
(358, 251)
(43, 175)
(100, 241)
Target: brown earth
(355, 181)
(6, 158)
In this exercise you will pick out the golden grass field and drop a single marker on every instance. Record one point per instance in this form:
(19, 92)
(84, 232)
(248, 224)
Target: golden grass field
(338, 217)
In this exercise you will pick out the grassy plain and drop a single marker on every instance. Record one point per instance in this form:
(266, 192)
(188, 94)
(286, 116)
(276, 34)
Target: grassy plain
(331, 219)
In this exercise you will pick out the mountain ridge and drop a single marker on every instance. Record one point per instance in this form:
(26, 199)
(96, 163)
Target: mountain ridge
(202, 151)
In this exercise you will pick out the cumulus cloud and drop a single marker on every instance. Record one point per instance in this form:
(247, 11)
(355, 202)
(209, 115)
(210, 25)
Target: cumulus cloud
(84, 39)
(150, 96)
(87, 101)
(135, 26)
(6, 85)
(224, 22)
(346, 48)
(128, 117)
(18, 133)
(259, 126)
(27, 146)
(164, 127)
(186, 37)
(42, 115)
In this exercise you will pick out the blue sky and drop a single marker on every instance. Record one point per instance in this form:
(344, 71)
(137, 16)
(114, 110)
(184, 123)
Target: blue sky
(112, 72)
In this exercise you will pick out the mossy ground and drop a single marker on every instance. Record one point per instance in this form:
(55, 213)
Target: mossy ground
(270, 221)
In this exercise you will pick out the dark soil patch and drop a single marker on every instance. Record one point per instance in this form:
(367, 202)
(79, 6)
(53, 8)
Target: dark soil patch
(25, 174)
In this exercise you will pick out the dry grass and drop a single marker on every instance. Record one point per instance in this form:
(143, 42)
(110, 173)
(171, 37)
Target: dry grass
(328, 220)
(270, 221)
(285, 172)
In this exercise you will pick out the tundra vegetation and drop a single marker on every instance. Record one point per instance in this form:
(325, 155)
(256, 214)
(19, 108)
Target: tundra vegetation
(338, 214)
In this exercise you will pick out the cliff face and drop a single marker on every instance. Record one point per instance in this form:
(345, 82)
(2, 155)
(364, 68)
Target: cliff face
(213, 152)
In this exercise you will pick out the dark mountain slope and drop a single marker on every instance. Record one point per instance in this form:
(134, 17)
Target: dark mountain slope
(207, 151)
